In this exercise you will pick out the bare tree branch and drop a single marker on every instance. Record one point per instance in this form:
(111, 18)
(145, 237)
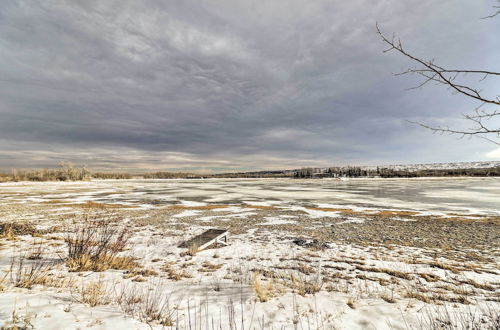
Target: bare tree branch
(495, 14)
(431, 72)
(438, 72)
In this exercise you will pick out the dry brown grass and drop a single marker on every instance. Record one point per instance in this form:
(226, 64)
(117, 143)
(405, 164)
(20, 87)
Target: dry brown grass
(101, 263)
(60, 281)
(351, 302)
(19, 321)
(208, 267)
(259, 207)
(220, 206)
(306, 269)
(201, 207)
(386, 213)
(383, 213)
(3, 282)
(149, 304)
(97, 205)
(441, 265)
(173, 273)
(191, 251)
(7, 232)
(304, 285)
(330, 209)
(436, 297)
(419, 296)
(140, 272)
(93, 293)
(430, 277)
(388, 298)
(10, 230)
(262, 291)
(392, 272)
(483, 286)
(89, 204)
(458, 299)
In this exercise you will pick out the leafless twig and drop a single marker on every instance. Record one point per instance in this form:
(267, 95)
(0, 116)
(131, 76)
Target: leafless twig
(432, 72)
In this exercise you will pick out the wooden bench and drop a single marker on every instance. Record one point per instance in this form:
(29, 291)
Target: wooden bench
(207, 238)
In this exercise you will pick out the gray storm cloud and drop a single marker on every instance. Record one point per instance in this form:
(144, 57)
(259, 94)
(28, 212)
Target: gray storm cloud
(231, 84)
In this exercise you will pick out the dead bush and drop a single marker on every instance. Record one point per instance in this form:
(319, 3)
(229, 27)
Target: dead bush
(95, 246)
(149, 304)
(26, 273)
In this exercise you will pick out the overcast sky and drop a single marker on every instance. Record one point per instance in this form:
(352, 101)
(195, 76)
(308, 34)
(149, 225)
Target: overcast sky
(222, 85)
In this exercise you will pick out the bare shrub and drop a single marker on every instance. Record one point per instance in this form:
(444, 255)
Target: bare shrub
(149, 304)
(95, 246)
(36, 251)
(26, 274)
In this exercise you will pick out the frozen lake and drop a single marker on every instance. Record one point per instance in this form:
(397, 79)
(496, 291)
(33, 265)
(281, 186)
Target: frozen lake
(435, 195)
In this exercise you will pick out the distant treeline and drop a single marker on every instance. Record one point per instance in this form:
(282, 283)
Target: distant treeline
(390, 173)
(171, 175)
(65, 172)
(110, 175)
(356, 172)
(68, 172)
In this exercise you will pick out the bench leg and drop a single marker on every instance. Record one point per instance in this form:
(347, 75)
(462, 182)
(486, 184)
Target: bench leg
(222, 242)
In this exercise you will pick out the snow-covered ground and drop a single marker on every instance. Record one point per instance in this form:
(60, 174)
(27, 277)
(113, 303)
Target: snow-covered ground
(302, 254)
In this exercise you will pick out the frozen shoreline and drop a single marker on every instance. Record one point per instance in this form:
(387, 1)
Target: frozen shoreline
(319, 263)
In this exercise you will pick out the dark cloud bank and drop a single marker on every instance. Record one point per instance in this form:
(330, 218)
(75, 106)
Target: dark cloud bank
(232, 84)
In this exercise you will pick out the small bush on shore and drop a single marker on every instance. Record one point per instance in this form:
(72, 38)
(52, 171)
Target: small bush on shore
(95, 246)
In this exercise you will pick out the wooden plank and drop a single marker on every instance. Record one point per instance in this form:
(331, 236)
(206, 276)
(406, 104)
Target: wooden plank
(207, 238)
